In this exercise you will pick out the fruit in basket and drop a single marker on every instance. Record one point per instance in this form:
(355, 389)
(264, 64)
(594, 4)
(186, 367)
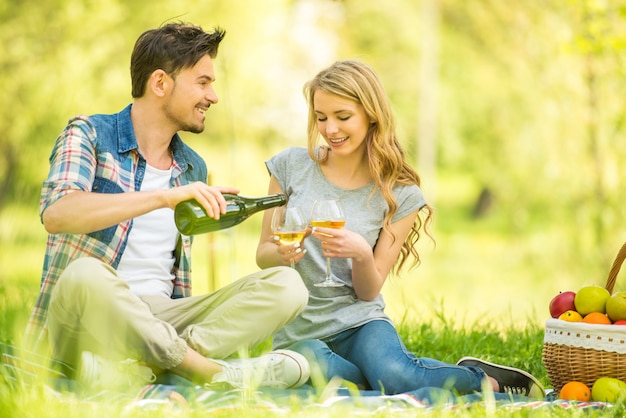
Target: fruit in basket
(620, 322)
(562, 302)
(616, 306)
(591, 298)
(575, 391)
(571, 316)
(596, 318)
(607, 389)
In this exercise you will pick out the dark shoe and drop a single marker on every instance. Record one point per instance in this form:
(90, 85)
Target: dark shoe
(510, 380)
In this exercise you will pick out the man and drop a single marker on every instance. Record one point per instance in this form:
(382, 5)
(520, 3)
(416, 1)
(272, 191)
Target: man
(116, 276)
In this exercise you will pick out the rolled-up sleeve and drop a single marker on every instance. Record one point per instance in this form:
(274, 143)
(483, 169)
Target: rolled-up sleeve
(72, 162)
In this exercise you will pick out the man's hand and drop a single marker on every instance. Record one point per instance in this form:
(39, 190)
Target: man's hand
(210, 197)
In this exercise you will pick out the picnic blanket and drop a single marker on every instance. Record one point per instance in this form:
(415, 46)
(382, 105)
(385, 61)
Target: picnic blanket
(173, 392)
(425, 400)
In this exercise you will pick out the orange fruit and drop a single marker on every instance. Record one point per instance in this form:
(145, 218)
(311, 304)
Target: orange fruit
(575, 391)
(596, 318)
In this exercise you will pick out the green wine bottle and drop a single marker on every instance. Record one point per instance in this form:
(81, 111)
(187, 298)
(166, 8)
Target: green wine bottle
(192, 219)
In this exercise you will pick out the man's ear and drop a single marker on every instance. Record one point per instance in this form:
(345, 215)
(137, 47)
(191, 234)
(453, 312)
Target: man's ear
(159, 83)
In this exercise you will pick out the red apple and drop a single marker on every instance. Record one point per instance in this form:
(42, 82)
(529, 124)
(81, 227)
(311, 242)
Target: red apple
(562, 302)
(620, 322)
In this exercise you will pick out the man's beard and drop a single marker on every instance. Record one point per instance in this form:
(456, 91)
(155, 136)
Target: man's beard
(193, 129)
(184, 126)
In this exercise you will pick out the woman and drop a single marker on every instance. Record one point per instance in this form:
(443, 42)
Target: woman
(344, 330)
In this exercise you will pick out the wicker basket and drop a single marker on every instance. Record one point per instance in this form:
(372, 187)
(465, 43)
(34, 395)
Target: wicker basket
(585, 352)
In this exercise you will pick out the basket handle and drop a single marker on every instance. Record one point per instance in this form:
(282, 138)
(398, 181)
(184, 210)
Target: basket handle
(617, 264)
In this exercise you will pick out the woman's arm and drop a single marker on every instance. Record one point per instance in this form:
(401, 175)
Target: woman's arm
(369, 268)
(368, 279)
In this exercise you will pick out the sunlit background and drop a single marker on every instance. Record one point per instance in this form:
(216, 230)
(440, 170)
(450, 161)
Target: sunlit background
(512, 113)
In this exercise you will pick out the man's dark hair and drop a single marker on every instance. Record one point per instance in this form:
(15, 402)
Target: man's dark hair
(171, 48)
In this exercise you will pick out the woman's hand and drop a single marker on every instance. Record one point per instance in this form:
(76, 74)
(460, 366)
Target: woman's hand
(342, 243)
(290, 252)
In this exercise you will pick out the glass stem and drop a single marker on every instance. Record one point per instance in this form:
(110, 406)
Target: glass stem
(328, 271)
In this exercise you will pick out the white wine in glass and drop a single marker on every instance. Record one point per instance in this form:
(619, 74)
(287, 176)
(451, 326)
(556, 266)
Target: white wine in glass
(289, 225)
(328, 214)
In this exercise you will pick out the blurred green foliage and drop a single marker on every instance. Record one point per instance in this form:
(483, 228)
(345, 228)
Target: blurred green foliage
(526, 100)
(528, 93)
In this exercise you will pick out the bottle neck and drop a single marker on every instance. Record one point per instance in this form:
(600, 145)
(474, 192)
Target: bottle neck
(270, 201)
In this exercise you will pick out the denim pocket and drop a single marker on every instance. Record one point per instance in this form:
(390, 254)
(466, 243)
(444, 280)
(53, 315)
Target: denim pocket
(102, 185)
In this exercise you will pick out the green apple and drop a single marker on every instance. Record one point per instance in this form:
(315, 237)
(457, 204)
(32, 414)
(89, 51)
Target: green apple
(616, 306)
(607, 389)
(591, 298)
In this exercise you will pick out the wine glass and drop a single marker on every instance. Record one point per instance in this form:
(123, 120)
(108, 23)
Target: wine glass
(289, 224)
(328, 214)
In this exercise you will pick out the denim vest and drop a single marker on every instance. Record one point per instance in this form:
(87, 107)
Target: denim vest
(115, 139)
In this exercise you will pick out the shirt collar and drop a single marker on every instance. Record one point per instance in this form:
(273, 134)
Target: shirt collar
(127, 140)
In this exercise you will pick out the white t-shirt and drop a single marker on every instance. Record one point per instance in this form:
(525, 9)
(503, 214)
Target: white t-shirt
(148, 259)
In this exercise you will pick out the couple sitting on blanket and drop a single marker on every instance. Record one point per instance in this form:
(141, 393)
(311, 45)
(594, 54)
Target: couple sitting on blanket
(116, 278)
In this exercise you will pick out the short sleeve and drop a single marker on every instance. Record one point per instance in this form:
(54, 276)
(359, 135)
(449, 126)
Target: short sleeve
(284, 165)
(410, 199)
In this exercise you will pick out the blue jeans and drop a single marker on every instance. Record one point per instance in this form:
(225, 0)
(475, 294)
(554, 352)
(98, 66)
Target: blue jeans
(373, 357)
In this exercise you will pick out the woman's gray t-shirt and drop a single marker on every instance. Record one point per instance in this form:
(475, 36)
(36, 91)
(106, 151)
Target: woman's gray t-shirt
(333, 309)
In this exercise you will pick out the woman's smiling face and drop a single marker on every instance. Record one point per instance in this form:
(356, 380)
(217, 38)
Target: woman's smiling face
(342, 122)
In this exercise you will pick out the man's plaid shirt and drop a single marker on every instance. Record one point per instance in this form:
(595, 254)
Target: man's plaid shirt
(99, 153)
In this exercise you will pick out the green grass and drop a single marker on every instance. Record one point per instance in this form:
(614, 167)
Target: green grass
(521, 348)
(441, 340)
(438, 338)
(478, 292)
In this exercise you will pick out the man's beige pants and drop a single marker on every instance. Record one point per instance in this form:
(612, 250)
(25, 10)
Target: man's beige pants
(92, 309)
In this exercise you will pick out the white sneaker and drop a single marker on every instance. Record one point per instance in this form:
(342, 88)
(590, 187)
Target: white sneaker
(99, 373)
(280, 369)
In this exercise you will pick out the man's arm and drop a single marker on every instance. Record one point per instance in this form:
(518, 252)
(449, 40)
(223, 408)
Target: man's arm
(81, 212)
(69, 206)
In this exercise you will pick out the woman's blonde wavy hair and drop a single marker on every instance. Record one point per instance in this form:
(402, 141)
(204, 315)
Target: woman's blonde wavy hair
(357, 81)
